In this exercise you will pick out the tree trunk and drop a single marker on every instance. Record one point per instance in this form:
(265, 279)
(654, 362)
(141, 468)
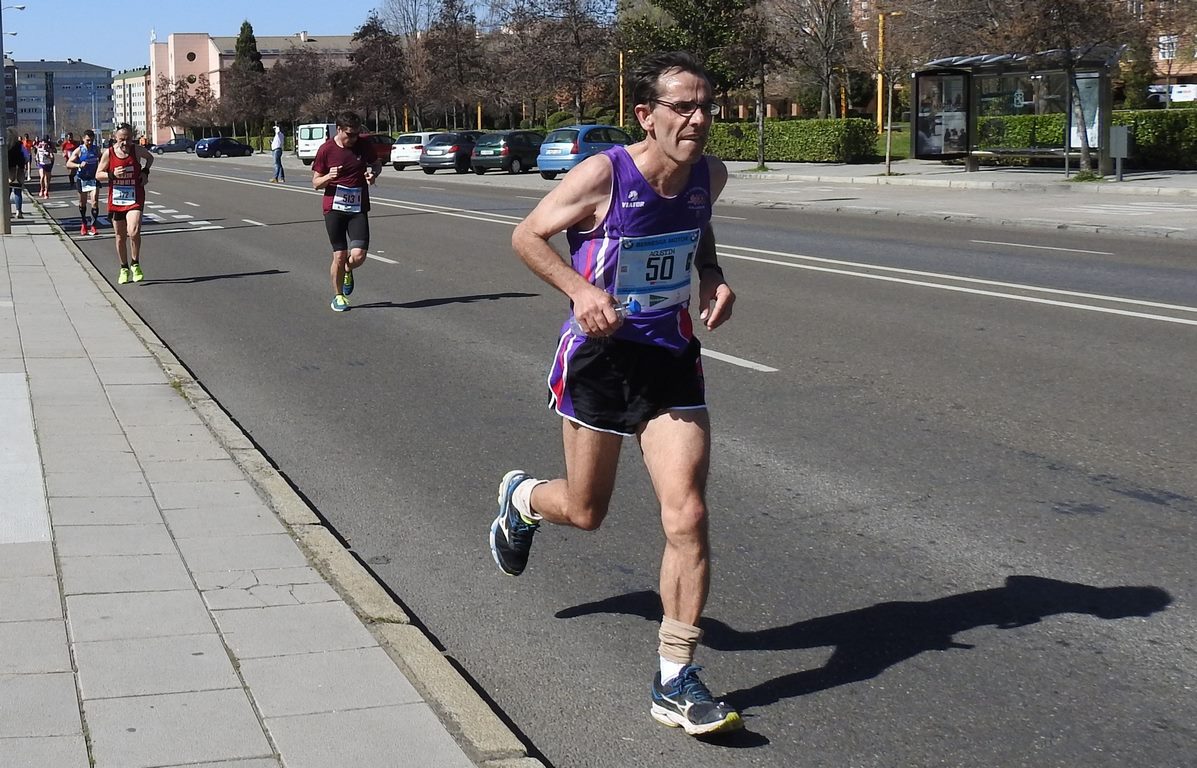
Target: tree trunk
(760, 121)
(1078, 107)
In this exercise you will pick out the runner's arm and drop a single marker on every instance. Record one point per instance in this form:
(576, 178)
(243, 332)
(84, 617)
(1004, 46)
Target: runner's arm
(102, 168)
(580, 199)
(715, 296)
(73, 159)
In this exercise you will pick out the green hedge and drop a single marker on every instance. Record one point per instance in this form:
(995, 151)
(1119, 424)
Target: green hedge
(796, 141)
(1163, 138)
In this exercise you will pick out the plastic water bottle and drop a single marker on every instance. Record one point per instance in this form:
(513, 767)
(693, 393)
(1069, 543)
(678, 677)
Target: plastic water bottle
(622, 311)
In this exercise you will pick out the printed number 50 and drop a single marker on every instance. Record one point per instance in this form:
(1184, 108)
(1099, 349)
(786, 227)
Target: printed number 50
(658, 268)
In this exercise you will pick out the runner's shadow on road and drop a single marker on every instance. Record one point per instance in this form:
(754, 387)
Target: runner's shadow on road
(208, 278)
(425, 303)
(868, 641)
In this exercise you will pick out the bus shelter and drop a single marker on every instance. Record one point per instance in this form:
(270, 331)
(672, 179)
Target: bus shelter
(959, 105)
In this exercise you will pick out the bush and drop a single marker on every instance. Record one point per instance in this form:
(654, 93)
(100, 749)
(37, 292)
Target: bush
(796, 141)
(558, 119)
(1163, 138)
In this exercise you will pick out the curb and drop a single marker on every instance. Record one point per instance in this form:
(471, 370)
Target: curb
(487, 740)
(1062, 187)
(1124, 231)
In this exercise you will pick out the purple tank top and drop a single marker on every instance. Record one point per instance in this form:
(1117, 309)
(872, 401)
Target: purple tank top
(643, 249)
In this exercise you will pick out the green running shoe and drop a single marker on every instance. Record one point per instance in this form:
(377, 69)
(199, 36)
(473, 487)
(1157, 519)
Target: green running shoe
(123, 277)
(340, 304)
(138, 275)
(347, 283)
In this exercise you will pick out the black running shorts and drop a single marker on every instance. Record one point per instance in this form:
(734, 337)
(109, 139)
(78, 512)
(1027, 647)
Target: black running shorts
(347, 231)
(616, 385)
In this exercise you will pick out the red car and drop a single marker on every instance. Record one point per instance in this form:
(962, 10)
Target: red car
(380, 143)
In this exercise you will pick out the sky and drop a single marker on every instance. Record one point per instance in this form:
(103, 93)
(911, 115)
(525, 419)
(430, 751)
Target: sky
(117, 36)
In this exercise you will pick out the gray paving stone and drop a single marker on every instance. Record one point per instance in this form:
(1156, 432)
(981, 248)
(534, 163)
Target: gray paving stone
(34, 598)
(193, 470)
(240, 553)
(136, 510)
(158, 414)
(11, 359)
(80, 484)
(222, 521)
(366, 738)
(224, 493)
(259, 763)
(34, 558)
(264, 595)
(58, 426)
(137, 615)
(33, 647)
(309, 683)
(39, 705)
(123, 573)
(72, 460)
(97, 540)
(137, 667)
(66, 441)
(145, 731)
(276, 631)
(130, 370)
(174, 449)
(246, 579)
(44, 752)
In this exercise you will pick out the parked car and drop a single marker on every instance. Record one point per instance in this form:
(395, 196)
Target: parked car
(407, 148)
(220, 146)
(451, 149)
(511, 151)
(380, 143)
(565, 147)
(177, 144)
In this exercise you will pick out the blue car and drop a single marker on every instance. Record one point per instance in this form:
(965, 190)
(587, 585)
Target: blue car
(221, 146)
(565, 147)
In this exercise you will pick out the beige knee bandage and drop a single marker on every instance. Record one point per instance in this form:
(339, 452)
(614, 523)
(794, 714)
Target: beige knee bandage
(677, 641)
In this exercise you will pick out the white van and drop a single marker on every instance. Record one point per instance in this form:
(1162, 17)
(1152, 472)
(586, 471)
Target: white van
(309, 137)
(1158, 94)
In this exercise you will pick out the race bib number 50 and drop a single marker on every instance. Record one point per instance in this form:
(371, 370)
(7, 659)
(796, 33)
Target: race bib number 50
(655, 270)
(347, 199)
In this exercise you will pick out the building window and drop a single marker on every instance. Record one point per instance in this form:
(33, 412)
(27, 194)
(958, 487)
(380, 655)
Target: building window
(1167, 47)
(191, 79)
(191, 56)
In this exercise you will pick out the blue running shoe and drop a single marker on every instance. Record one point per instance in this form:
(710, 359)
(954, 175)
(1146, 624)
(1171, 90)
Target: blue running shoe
(685, 701)
(347, 282)
(510, 534)
(340, 304)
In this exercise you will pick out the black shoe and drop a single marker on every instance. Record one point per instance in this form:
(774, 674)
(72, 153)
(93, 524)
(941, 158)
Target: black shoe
(687, 703)
(510, 536)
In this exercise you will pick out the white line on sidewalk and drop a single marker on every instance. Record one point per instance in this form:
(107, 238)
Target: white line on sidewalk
(1041, 247)
(255, 223)
(738, 361)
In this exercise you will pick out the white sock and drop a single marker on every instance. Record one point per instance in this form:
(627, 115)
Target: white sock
(522, 499)
(669, 669)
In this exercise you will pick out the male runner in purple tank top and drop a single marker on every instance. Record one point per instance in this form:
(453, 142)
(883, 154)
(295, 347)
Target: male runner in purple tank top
(637, 220)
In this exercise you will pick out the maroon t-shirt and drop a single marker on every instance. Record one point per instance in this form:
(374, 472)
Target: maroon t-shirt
(353, 160)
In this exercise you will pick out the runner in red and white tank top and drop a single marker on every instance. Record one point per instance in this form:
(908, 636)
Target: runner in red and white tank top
(126, 167)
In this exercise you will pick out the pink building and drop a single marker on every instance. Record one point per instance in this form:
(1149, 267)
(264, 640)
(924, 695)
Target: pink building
(188, 55)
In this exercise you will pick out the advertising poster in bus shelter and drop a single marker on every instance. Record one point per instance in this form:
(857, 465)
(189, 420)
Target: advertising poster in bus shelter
(941, 122)
(1087, 95)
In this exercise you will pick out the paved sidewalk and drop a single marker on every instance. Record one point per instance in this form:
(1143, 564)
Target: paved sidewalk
(165, 598)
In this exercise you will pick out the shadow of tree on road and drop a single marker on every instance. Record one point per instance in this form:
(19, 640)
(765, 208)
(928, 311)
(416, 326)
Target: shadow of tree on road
(868, 641)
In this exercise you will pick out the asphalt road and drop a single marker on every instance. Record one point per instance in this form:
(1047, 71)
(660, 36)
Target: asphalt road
(953, 487)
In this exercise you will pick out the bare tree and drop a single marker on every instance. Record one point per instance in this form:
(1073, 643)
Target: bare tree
(817, 36)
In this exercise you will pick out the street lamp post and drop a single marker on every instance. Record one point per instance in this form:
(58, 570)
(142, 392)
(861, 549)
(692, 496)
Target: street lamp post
(6, 216)
(881, 64)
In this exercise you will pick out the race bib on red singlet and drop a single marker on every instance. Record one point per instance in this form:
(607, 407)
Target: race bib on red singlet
(124, 194)
(347, 199)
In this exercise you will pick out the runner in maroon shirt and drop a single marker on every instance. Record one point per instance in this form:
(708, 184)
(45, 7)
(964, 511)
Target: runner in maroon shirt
(345, 169)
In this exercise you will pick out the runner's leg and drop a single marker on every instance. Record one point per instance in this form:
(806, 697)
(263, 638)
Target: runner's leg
(133, 223)
(582, 497)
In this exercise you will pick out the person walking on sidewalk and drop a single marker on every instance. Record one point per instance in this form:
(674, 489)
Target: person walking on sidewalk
(17, 165)
(276, 149)
(637, 220)
(122, 167)
(83, 163)
(345, 168)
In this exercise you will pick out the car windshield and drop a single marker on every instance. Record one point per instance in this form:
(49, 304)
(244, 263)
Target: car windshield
(561, 136)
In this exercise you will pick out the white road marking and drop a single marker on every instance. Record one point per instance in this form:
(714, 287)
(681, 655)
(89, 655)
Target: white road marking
(189, 216)
(152, 192)
(197, 205)
(952, 213)
(977, 291)
(255, 223)
(527, 197)
(199, 223)
(737, 361)
(437, 189)
(864, 208)
(733, 218)
(1041, 247)
(169, 210)
(380, 258)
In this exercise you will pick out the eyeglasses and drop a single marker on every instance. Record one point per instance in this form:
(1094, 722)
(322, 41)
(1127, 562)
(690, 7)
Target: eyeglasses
(687, 108)
(352, 134)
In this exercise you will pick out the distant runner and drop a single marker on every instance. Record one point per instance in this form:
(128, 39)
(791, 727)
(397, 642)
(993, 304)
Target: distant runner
(83, 162)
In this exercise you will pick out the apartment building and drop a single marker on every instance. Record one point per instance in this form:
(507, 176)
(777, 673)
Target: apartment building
(54, 97)
(131, 94)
